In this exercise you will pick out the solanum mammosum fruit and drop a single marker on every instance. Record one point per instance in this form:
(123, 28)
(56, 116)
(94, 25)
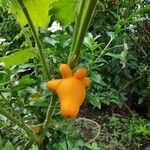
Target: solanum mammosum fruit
(71, 90)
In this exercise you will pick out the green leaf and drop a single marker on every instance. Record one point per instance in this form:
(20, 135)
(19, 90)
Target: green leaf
(94, 146)
(38, 11)
(140, 100)
(34, 147)
(142, 11)
(24, 82)
(97, 78)
(64, 10)
(3, 2)
(94, 100)
(113, 55)
(17, 58)
(2, 124)
(131, 18)
(8, 146)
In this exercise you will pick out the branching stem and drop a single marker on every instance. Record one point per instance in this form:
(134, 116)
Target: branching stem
(46, 68)
(103, 52)
(83, 19)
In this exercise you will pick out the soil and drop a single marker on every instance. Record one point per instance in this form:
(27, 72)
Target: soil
(88, 111)
(101, 117)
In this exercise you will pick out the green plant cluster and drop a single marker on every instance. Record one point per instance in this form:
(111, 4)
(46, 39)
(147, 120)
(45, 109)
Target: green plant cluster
(117, 53)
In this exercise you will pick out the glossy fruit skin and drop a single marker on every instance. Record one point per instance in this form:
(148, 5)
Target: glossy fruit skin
(71, 90)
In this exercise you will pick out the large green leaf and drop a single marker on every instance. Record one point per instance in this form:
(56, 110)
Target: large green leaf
(37, 9)
(64, 10)
(17, 58)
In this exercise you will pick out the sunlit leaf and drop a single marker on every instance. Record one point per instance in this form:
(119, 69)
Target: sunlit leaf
(17, 58)
(38, 11)
(64, 10)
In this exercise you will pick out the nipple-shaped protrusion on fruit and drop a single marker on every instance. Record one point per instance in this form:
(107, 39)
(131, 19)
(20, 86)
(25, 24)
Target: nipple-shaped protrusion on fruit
(80, 73)
(53, 84)
(65, 71)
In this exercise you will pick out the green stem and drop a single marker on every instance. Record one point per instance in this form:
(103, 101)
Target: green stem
(39, 46)
(19, 123)
(30, 46)
(47, 121)
(86, 12)
(37, 40)
(26, 35)
(77, 23)
(105, 49)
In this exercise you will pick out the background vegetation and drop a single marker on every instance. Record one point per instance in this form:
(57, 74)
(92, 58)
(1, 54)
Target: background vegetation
(116, 52)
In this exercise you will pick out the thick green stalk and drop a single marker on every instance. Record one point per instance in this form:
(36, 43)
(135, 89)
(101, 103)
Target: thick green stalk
(77, 22)
(82, 24)
(103, 52)
(37, 40)
(19, 123)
